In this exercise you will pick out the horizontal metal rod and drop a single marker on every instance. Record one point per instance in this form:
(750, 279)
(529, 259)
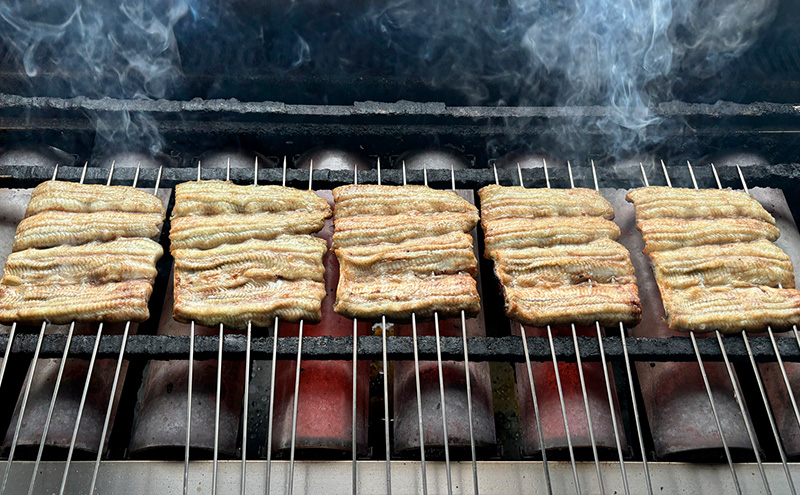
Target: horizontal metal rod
(778, 175)
(506, 349)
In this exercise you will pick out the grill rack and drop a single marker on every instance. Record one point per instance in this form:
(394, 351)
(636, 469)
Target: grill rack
(398, 348)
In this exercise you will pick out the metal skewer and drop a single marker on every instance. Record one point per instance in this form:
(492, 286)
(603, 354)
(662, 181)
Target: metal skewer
(704, 375)
(272, 375)
(246, 396)
(189, 391)
(417, 376)
(88, 373)
(757, 372)
(737, 392)
(115, 383)
(557, 374)
(441, 380)
(216, 411)
(218, 394)
(548, 481)
(608, 380)
(583, 381)
(385, 364)
(297, 374)
(22, 407)
(467, 378)
(271, 400)
(60, 374)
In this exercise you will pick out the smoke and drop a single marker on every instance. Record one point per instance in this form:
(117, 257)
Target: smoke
(124, 49)
(624, 55)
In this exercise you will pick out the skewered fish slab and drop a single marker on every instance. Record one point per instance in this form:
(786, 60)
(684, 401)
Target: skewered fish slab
(556, 256)
(95, 263)
(86, 302)
(603, 261)
(215, 197)
(520, 233)
(403, 251)
(731, 309)
(663, 234)
(582, 304)
(396, 297)
(56, 228)
(736, 265)
(244, 253)
(205, 232)
(360, 230)
(713, 260)
(667, 202)
(86, 198)
(83, 253)
(518, 202)
(375, 200)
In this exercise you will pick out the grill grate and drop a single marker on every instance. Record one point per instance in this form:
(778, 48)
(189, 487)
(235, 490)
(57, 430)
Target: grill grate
(618, 349)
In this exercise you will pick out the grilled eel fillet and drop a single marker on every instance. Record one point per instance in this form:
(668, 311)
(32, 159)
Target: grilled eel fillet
(404, 250)
(583, 304)
(95, 263)
(56, 228)
(731, 309)
(215, 197)
(518, 202)
(445, 255)
(85, 302)
(667, 202)
(361, 230)
(520, 233)
(662, 234)
(374, 200)
(603, 262)
(557, 258)
(244, 253)
(86, 198)
(398, 296)
(207, 303)
(205, 232)
(743, 264)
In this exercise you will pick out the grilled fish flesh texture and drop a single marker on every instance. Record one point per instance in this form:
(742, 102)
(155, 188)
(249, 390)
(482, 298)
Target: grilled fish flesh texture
(393, 229)
(86, 198)
(215, 197)
(56, 228)
(447, 254)
(731, 309)
(205, 232)
(667, 202)
(602, 261)
(669, 233)
(375, 200)
(61, 304)
(289, 257)
(520, 233)
(397, 297)
(257, 301)
(743, 264)
(518, 202)
(96, 262)
(583, 304)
